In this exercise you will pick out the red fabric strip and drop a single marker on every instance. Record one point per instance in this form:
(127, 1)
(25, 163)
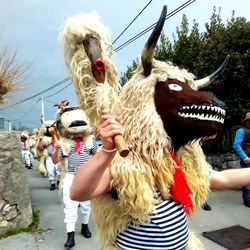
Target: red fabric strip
(78, 144)
(180, 190)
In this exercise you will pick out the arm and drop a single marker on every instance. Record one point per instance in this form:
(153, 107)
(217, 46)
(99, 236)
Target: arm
(230, 179)
(56, 153)
(239, 138)
(93, 178)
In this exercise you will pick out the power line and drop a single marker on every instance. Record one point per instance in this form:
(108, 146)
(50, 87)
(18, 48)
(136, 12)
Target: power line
(31, 97)
(178, 9)
(58, 91)
(132, 21)
(181, 7)
(27, 112)
(20, 119)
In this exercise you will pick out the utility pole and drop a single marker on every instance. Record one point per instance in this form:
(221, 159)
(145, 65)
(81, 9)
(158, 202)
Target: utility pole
(42, 107)
(9, 125)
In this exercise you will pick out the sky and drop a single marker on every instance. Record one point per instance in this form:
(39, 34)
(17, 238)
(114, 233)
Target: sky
(31, 27)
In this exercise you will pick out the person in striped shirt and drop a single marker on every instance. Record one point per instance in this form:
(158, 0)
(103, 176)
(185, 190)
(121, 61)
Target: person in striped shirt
(78, 154)
(168, 225)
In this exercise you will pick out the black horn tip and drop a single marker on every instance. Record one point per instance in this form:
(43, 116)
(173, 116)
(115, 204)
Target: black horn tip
(164, 11)
(148, 51)
(158, 28)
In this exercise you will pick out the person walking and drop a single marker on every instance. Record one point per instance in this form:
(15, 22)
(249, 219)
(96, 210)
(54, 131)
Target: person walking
(51, 168)
(242, 147)
(79, 153)
(25, 149)
(95, 177)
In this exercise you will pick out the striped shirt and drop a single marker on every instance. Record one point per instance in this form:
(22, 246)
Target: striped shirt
(168, 230)
(75, 159)
(49, 149)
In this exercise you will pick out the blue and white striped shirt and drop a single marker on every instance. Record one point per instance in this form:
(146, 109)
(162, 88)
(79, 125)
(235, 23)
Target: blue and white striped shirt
(168, 230)
(75, 159)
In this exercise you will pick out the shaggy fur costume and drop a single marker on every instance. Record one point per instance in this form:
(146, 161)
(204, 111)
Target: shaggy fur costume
(78, 63)
(71, 123)
(149, 166)
(47, 140)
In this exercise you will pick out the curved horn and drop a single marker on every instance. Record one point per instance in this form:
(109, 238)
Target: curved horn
(207, 80)
(61, 104)
(148, 51)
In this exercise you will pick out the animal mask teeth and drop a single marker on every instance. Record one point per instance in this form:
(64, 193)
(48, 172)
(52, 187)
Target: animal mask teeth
(203, 112)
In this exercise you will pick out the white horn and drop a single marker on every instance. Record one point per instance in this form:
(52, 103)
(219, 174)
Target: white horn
(201, 83)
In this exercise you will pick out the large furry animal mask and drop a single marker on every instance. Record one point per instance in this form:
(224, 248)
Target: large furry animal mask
(44, 130)
(186, 114)
(79, 33)
(161, 109)
(71, 121)
(159, 105)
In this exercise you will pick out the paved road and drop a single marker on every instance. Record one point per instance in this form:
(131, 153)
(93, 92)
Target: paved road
(51, 217)
(227, 210)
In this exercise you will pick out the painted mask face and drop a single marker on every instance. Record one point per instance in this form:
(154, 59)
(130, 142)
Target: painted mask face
(24, 136)
(190, 114)
(45, 127)
(72, 122)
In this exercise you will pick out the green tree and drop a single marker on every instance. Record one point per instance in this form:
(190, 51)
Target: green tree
(187, 45)
(233, 86)
(164, 50)
(128, 74)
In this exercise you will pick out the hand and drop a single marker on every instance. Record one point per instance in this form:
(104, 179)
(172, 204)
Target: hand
(246, 160)
(57, 146)
(109, 127)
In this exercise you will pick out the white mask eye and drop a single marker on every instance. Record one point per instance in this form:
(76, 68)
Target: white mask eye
(174, 86)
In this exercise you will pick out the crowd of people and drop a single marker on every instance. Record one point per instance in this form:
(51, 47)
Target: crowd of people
(140, 200)
(80, 153)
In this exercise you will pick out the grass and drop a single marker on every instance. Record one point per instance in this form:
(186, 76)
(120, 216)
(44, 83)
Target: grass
(32, 228)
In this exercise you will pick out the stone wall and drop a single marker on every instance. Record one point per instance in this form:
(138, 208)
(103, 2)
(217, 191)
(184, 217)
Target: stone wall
(223, 161)
(15, 204)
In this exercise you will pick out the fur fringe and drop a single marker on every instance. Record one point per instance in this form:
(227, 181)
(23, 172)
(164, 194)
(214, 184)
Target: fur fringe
(194, 242)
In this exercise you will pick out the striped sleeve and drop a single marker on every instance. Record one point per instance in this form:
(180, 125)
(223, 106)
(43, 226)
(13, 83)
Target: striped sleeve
(94, 148)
